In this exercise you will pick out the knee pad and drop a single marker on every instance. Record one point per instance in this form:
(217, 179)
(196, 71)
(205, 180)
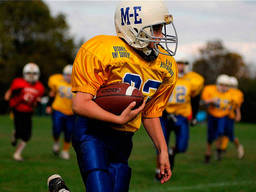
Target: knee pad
(121, 175)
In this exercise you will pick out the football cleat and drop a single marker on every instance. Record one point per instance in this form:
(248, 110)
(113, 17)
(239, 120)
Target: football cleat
(56, 184)
(240, 151)
(65, 155)
(207, 159)
(17, 157)
(56, 148)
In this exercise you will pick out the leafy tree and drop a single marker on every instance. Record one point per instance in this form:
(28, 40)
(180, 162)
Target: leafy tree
(29, 33)
(215, 59)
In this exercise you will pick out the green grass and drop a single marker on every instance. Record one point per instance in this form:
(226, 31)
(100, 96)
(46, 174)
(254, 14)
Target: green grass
(191, 174)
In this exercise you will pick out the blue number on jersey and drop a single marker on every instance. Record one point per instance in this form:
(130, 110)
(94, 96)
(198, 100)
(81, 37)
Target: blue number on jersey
(180, 94)
(136, 81)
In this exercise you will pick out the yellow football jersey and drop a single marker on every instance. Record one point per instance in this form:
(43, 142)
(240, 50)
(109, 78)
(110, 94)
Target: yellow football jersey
(223, 101)
(196, 81)
(179, 102)
(63, 95)
(108, 59)
(237, 100)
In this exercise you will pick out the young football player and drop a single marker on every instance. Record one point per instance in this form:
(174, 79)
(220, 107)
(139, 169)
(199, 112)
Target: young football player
(23, 95)
(234, 115)
(178, 111)
(60, 106)
(140, 54)
(218, 100)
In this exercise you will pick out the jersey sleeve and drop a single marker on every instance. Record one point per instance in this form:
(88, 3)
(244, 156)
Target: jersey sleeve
(196, 85)
(17, 83)
(52, 83)
(88, 72)
(156, 105)
(206, 93)
(41, 89)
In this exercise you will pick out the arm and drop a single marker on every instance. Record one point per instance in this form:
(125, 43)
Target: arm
(84, 105)
(154, 130)
(48, 109)
(238, 114)
(7, 95)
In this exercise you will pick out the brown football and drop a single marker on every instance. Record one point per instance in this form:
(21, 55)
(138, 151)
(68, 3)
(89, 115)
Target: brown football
(116, 97)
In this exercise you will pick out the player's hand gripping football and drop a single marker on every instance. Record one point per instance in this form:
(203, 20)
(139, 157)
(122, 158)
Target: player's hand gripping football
(165, 169)
(129, 113)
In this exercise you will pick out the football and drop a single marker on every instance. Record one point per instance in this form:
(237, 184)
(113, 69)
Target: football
(116, 97)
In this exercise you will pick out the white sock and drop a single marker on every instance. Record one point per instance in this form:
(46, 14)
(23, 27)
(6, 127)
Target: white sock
(20, 147)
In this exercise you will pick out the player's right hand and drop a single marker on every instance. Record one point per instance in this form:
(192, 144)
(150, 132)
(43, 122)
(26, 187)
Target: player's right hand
(129, 113)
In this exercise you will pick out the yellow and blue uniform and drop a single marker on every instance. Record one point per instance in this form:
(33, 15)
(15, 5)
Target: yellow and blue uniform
(104, 60)
(217, 111)
(179, 109)
(62, 115)
(197, 83)
(237, 100)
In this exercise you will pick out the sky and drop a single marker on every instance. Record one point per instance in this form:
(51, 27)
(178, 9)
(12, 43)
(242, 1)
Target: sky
(231, 21)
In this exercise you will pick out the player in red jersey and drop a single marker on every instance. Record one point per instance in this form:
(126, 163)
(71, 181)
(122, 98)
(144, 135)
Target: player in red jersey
(23, 95)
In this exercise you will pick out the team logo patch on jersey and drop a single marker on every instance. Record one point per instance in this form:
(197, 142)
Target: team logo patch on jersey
(168, 66)
(120, 51)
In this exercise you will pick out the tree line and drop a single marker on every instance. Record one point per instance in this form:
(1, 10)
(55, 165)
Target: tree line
(29, 33)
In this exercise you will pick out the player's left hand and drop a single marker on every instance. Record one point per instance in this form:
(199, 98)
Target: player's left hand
(165, 169)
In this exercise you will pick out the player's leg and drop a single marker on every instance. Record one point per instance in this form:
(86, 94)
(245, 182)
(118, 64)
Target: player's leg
(224, 143)
(211, 134)
(182, 137)
(57, 125)
(222, 124)
(69, 124)
(92, 158)
(235, 140)
(23, 131)
(120, 144)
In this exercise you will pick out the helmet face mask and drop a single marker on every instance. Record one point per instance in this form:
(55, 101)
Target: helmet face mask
(135, 22)
(31, 72)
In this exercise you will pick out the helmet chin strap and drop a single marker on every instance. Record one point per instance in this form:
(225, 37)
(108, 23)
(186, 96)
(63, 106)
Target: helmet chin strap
(148, 54)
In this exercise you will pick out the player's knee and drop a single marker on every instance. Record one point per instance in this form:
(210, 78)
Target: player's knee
(98, 180)
(121, 174)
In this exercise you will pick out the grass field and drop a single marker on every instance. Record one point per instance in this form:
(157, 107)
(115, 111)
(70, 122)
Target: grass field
(191, 174)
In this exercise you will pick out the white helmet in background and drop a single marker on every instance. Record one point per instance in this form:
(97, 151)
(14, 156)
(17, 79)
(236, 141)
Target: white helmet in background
(31, 72)
(67, 72)
(223, 79)
(135, 21)
(233, 82)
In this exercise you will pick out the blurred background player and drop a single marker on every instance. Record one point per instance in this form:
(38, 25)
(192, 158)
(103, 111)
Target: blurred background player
(178, 110)
(234, 116)
(23, 95)
(141, 55)
(60, 106)
(218, 99)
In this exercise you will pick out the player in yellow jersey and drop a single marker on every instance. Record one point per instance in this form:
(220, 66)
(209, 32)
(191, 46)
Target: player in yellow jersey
(141, 55)
(234, 115)
(178, 111)
(60, 106)
(197, 82)
(218, 100)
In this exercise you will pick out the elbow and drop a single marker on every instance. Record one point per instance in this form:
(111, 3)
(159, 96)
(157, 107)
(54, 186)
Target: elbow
(75, 108)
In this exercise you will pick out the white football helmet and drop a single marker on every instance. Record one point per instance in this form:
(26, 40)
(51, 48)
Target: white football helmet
(31, 72)
(222, 79)
(135, 21)
(233, 82)
(67, 72)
